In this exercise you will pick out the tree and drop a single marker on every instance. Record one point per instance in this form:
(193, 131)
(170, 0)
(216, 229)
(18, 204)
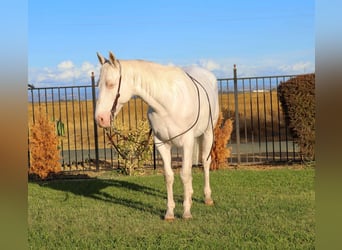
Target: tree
(43, 146)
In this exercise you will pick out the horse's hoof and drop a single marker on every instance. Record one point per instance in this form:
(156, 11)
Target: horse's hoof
(169, 218)
(209, 202)
(187, 216)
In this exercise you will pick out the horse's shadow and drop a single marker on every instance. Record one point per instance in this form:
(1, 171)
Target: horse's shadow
(97, 189)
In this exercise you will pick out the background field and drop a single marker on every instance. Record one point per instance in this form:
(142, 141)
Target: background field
(269, 209)
(259, 115)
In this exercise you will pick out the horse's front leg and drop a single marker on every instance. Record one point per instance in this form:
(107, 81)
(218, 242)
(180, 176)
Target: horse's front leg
(186, 176)
(165, 152)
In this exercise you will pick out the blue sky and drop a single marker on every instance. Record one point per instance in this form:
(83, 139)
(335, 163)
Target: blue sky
(261, 37)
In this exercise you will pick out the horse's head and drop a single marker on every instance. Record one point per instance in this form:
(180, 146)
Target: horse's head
(111, 97)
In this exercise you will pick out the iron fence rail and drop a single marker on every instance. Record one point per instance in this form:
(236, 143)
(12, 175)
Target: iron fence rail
(264, 136)
(260, 134)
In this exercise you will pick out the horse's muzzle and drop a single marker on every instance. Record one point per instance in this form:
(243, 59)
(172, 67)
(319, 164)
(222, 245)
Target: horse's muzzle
(103, 121)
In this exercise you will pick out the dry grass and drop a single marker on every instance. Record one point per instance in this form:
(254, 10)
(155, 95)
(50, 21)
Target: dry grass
(259, 114)
(78, 116)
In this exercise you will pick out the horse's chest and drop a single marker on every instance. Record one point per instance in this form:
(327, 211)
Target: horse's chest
(160, 125)
(164, 126)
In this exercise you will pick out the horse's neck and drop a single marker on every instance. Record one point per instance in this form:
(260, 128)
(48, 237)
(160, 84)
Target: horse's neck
(147, 81)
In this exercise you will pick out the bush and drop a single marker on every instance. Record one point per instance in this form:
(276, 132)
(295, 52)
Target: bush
(222, 133)
(43, 147)
(134, 146)
(297, 97)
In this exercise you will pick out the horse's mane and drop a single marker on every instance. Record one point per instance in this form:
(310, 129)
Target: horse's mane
(153, 78)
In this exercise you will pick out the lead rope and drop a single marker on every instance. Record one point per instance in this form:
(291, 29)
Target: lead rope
(193, 125)
(141, 149)
(198, 114)
(144, 144)
(115, 103)
(210, 113)
(112, 112)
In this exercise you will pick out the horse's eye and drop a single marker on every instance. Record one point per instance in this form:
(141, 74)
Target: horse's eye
(109, 85)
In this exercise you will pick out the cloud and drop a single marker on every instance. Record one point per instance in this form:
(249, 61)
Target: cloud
(297, 68)
(68, 73)
(65, 65)
(87, 68)
(252, 68)
(209, 64)
(65, 73)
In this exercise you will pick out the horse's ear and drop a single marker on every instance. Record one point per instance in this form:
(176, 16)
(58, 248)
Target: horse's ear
(112, 59)
(102, 60)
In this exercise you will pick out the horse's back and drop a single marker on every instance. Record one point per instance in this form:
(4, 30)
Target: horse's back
(202, 75)
(208, 80)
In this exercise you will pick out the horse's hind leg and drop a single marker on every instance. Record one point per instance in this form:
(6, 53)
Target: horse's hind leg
(207, 140)
(165, 152)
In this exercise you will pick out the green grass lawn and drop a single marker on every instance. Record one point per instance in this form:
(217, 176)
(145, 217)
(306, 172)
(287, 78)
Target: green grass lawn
(271, 209)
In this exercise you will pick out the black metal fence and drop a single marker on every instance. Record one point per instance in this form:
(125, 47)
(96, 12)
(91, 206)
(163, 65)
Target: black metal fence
(260, 134)
(254, 105)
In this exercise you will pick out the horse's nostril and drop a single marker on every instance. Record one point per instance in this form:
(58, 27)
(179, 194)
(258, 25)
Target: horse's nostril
(99, 119)
(102, 120)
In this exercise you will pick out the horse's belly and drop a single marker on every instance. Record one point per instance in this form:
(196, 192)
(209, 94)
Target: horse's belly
(165, 128)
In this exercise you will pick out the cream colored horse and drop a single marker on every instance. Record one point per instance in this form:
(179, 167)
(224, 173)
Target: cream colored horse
(183, 111)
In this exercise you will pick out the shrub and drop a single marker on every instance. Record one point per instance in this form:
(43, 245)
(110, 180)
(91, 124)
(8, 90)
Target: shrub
(43, 147)
(222, 133)
(297, 97)
(133, 145)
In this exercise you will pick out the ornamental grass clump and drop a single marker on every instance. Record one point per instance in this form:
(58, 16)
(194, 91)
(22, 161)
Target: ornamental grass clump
(43, 147)
(220, 152)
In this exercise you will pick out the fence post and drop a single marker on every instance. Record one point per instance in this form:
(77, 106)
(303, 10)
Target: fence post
(94, 122)
(154, 157)
(237, 122)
